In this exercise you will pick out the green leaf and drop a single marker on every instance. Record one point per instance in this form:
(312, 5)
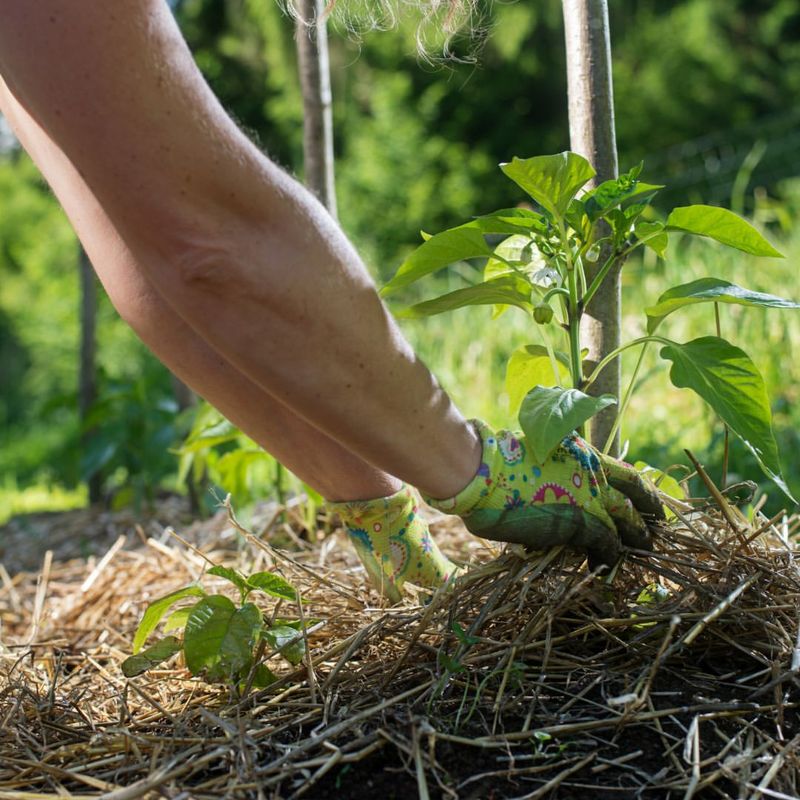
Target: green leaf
(577, 219)
(611, 194)
(156, 610)
(508, 289)
(509, 220)
(288, 642)
(233, 576)
(177, 620)
(462, 635)
(151, 656)
(710, 290)
(549, 414)
(530, 366)
(519, 250)
(665, 482)
(654, 234)
(219, 638)
(552, 181)
(218, 433)
(652, 594)
(439, 251)
(448, 663)
(722, 225)
(726, 378)
(620, 225)
(263, 677)
(272, 584)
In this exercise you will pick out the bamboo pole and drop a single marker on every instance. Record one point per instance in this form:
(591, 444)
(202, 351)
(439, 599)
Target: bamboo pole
(591, 129)
(311, 35)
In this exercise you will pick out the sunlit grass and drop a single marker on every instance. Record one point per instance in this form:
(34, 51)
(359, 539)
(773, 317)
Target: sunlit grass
(38, 497)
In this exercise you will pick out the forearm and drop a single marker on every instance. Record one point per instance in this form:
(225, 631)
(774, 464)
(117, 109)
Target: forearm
(238, 250)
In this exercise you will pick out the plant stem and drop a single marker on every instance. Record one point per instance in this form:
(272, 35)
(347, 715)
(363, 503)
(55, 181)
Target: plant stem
(573, 312)
(626, 399)
(599, 278)
(576, 366)
(604, 270)
(614, 353)
(725, 430)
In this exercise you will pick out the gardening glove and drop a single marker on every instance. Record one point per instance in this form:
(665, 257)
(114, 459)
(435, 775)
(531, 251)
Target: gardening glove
(394, 543)
(577, 498)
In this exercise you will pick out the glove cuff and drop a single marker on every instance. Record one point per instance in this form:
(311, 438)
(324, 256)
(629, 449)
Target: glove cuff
(381, 510)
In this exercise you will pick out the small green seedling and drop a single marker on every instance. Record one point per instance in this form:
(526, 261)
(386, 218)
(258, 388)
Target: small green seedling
(221, 641)
(550, 263)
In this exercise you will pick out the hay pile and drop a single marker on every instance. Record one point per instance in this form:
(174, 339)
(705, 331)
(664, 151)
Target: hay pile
(531, 679)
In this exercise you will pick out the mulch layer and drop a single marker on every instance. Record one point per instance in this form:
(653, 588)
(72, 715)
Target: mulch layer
(675, 677)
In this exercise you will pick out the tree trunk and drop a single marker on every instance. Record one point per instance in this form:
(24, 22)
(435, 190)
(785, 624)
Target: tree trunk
(591, 129)
(311, 34)
(87, 373)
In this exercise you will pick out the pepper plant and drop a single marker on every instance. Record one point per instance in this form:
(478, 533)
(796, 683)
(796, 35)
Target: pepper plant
(221, 641)
(537, 261)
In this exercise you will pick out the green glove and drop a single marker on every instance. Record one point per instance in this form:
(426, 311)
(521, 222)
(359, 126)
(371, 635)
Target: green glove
(577, 498)
(394, 543)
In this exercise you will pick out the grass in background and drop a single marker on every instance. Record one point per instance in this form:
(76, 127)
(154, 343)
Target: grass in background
(38, 497)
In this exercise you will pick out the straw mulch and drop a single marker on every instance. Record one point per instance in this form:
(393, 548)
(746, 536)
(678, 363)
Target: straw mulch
(531, 679)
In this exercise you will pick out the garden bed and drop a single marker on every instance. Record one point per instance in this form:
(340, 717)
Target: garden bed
(531, 678)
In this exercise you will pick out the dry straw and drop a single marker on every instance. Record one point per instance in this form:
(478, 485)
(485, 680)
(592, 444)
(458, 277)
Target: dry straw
(532, 678)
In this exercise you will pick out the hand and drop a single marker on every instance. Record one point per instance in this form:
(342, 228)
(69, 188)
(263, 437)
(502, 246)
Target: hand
(577, 497)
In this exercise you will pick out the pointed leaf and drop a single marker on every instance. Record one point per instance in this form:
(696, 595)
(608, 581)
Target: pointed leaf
(552, 181)
(439, 251)
(578, 219)
(726, 378)
(231, 575)
(664, 481)
(710, 290)
(521, 252)
(507, 289)
(530, 366)
(654, 235)
(722, 225)
(288, 641)
(156, 610)
(272, 584)
(151, 656)
(509, 220)
(613, 193)
(549, 414)
(462, 635)
(218, 433)
(177, 620)
(219, 638)
(263, 677)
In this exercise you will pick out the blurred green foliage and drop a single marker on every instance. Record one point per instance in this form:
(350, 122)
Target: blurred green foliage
(417, 143)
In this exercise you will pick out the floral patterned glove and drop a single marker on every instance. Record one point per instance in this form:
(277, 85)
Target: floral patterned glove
(576, 498)
(394, 543)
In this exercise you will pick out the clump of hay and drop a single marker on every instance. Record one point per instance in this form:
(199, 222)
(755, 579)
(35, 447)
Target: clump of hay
(532, 677)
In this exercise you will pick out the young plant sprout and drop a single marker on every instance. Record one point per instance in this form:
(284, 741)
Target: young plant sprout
(221, 641)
